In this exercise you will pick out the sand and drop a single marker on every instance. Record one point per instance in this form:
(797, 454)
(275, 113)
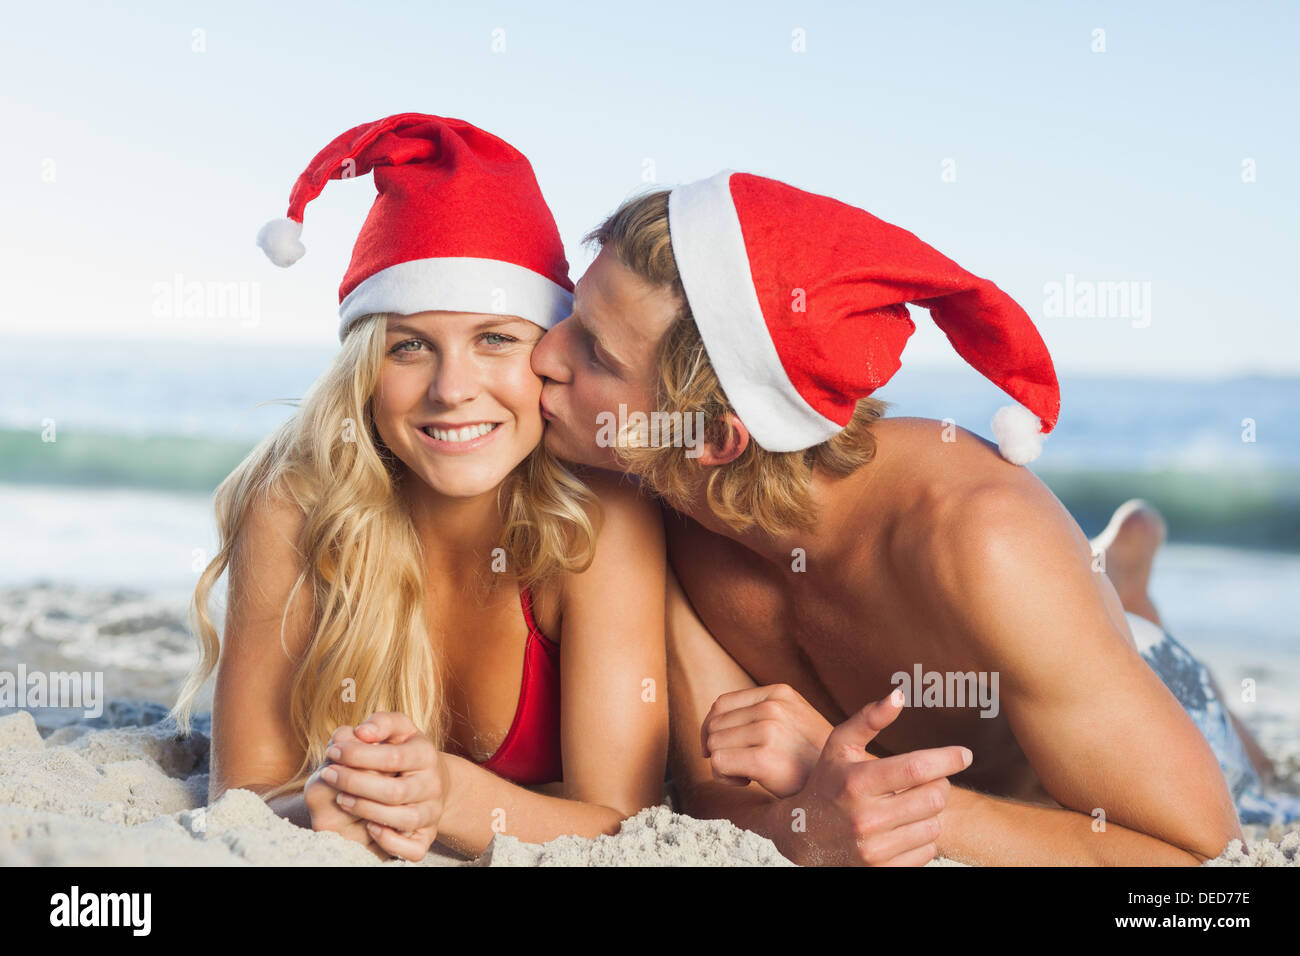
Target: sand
(123, 790)
(131, 795)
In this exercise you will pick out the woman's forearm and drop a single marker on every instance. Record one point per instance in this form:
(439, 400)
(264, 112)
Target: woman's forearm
(482, 804)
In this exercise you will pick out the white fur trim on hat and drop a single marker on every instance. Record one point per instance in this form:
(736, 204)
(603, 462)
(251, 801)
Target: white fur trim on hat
(1019, 433)
(281, 240)
(714, 267)
(458, 284)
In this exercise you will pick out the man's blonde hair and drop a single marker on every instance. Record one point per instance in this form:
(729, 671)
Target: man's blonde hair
(770, 490)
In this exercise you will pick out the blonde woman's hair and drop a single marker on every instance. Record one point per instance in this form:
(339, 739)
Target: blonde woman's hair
(760, 488)
(361, 556)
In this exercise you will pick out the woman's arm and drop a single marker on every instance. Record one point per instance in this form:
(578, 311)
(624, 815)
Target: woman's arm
(613, 695)
(253, 746)
(252, 743)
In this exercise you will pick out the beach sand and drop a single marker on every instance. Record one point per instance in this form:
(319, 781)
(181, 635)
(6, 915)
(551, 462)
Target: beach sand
(120, 789)
(132, 795)
(124, 790)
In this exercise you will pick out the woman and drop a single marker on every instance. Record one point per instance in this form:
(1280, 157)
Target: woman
(403, 548)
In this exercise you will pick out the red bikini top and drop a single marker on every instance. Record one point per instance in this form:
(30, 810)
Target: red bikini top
(530, 754)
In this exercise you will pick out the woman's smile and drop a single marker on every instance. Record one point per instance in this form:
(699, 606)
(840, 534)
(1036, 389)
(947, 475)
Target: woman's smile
(460, 441)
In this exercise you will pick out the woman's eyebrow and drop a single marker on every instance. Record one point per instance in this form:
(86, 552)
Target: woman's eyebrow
(497, 320)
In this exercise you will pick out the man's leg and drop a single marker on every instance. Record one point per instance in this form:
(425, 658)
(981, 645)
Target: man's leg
(1131, 539)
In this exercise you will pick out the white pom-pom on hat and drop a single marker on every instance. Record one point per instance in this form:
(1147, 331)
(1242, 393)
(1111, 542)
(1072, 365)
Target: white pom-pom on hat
(281, 240)
(1019, 433)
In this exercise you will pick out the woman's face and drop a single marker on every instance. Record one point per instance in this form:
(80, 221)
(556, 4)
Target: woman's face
(456, 400)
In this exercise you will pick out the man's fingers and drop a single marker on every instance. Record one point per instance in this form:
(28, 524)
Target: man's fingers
(919, 803)
(851, 737)
(749, 733)
(737, 768)
(901, 772)
(726, 720)
(882, 849)
(736, 700)
(918, 857)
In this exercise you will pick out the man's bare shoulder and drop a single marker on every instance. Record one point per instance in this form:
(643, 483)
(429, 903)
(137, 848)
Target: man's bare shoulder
(959, 505)
(923, 463)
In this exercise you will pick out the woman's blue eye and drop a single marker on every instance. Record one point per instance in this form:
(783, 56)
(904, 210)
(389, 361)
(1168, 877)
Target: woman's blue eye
(499, 338)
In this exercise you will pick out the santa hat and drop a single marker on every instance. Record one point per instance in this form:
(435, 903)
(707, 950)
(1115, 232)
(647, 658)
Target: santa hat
(800, 301)
(459, 224)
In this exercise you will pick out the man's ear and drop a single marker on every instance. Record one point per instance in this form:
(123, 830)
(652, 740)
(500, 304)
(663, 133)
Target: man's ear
(735, 442)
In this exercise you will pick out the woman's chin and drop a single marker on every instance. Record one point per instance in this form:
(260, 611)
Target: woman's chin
(461, 481)
(464, 477)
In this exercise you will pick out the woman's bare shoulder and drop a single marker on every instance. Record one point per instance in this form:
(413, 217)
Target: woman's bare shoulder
(629, 541)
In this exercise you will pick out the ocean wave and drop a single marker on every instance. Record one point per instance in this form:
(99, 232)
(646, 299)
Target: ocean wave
(1256, 507)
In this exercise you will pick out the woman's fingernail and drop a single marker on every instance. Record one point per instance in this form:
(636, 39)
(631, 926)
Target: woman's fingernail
(330, 775)
(373, 827)
(334, 753)
(345, 800)
(896, 698)
(966, 755)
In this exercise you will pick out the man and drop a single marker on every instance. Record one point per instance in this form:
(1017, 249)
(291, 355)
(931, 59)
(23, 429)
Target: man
(823, 551)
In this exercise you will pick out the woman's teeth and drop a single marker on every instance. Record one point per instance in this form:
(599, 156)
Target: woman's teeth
(468, 433)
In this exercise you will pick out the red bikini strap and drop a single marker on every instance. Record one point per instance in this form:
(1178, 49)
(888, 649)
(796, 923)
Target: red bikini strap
(526, 599)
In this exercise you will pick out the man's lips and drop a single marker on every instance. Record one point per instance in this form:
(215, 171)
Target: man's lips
(546, 412)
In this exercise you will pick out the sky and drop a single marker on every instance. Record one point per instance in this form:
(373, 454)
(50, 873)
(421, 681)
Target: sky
(1141, 157)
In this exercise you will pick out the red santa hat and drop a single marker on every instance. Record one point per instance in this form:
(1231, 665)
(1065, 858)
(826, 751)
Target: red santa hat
(459, 224)
(800, 301)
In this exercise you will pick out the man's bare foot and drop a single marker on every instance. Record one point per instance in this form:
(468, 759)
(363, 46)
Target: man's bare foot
(1135, 533)
(1130, 542)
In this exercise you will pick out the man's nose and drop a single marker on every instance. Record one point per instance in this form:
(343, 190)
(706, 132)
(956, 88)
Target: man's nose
(547, 358)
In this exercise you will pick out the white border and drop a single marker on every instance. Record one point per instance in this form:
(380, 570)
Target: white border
(458, 284)
(714, 267)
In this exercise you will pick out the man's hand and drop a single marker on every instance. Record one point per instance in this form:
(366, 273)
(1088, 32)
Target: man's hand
(768, 735)
(858, 809)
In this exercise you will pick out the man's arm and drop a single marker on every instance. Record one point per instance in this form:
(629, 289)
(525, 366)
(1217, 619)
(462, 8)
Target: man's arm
(1106, 738)
(853, 809)
(698, 672)
(993, 831)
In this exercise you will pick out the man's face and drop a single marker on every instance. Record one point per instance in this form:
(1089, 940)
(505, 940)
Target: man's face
(600, 357)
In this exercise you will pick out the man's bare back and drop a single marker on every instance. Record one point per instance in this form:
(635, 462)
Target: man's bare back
(863, 607)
